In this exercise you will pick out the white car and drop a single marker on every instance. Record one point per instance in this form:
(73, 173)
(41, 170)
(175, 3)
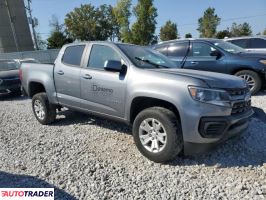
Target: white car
(252, 44)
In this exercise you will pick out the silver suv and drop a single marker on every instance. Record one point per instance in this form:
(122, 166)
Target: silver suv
(252, 44)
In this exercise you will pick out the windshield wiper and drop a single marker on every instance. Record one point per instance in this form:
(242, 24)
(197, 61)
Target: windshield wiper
(152, 63)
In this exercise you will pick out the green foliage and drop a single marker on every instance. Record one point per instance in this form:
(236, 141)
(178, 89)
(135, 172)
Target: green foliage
(90, 23)
(55, 24)
(188, 35)
(168, 31)
(40, 42)
(143, 29)
(122, 14)
(57, 40)
(238, 30)
(208, 23)
(58, 36)
(222, 34)
(264, 32)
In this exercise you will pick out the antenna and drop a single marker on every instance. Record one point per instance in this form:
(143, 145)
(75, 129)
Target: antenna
(34, 23)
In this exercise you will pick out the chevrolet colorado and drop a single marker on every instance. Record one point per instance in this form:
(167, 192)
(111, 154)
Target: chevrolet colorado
(172, 110)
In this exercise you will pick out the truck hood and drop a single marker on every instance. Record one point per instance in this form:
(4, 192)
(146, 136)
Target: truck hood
(213, 80)
(9, 74)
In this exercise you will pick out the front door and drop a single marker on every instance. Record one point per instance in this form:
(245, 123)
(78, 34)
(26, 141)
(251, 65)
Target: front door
(103, 91)
(200, 58)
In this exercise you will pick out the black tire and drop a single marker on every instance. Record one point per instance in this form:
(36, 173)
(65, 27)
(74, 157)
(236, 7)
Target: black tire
(49, 109)
(255, 76)
(174, 144)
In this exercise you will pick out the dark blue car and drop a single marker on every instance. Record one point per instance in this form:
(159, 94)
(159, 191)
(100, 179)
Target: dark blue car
(217, 56)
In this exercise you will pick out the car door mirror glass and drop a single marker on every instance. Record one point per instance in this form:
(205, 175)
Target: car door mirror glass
(113, 65)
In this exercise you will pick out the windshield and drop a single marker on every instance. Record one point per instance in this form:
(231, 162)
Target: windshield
(144, 57)
(229, 47)
(6, 65)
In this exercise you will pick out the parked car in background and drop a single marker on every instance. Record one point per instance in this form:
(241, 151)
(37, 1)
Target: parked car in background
(171, 109)
(26, 60)
(9, 77)
(252, 44)
(217, 56)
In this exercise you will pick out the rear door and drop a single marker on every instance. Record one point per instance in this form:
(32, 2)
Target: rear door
(103, 91)
(67, 76)
(200, 58)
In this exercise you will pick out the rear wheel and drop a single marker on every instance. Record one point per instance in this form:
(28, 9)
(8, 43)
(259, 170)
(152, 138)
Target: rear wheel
(44, 112)
(252, 78)
(157, 134)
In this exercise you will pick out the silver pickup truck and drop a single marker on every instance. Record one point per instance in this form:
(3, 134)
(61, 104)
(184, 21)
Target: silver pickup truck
(171, 110)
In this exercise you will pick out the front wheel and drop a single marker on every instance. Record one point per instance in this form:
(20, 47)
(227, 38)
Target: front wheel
(252, 78)
(157, 134)
(44, 112)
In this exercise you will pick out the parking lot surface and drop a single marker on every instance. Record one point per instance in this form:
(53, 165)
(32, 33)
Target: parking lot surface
(85, 157)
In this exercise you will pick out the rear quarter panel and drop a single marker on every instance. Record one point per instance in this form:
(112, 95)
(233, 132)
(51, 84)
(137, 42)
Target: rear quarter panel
(39, 73)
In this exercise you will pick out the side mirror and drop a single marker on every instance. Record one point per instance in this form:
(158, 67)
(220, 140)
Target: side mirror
(216, 54)
(113, 65)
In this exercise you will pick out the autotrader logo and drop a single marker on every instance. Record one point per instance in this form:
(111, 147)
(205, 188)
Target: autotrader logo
(26, 193)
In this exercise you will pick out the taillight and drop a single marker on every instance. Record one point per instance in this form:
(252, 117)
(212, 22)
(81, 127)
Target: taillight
(20, 74)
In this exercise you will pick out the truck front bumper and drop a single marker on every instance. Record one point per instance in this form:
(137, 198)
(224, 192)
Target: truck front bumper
(215, 130)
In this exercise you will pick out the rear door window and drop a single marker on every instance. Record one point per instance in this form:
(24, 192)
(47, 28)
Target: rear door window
(241, 43)
(257, 43)
(73, 55)
(178, 49)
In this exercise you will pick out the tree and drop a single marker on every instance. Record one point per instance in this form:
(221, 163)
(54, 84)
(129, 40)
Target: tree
(224, 33)
(40, 42)
(57, 40)
(90, 23)
(144, 28)
(58, 36)
(208, 23)
(264, 32)
(188, 35)
(168, 31)
(238, 30)
(55, 24)
(107, 28)
(122, 14)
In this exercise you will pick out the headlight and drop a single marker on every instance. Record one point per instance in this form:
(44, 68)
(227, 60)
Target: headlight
(211, 96)
(263, 62)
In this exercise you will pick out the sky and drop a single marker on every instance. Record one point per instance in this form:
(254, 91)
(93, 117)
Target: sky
(184, 13)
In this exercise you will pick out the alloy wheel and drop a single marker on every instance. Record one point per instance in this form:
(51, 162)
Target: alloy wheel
(152, 135)
(249, 79)
(39, 109)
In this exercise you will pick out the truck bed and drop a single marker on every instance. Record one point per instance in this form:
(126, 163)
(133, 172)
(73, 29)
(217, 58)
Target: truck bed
(39, 73)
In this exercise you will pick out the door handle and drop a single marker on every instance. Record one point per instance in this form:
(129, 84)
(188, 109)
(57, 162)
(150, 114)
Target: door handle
(87, 76)
(194, 62)
(60, 72)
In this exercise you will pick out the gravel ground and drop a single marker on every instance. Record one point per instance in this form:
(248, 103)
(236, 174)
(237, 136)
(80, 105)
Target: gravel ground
(84, 157)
